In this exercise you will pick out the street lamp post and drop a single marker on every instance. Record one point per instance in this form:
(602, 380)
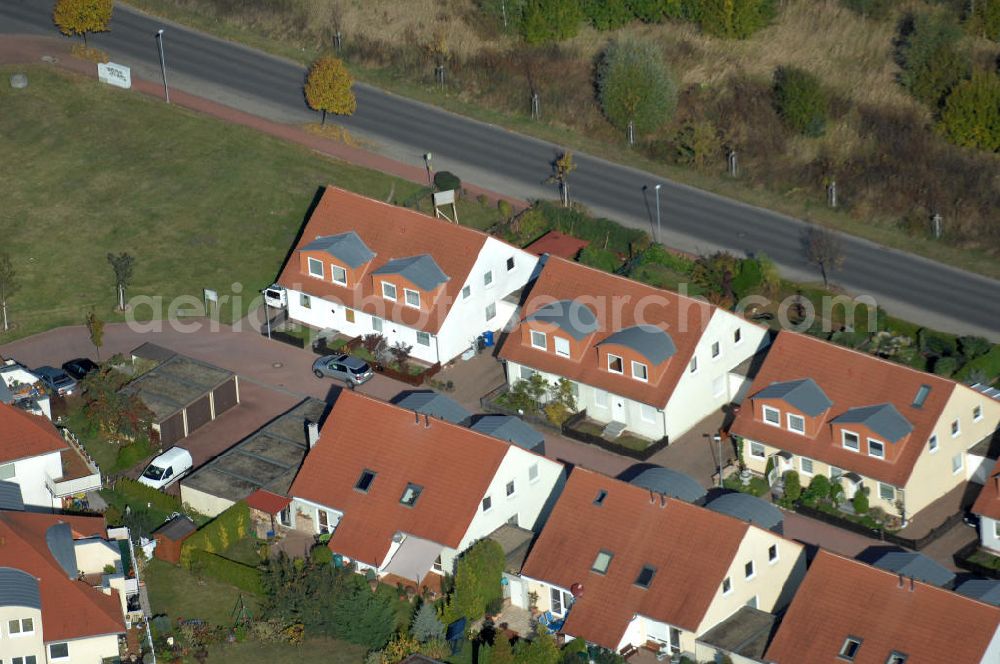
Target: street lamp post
(657, 190)
(163, 64)
(430, 170)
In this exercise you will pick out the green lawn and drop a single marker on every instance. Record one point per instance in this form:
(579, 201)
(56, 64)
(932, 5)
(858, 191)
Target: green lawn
(90, 169)
(327, 651)
(178, 593)
(245, 550)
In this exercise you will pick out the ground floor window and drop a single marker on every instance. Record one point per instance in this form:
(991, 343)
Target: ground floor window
(305, 301)
(560, 601)
(58, 650)
(423, 338)
(756, 450)
(525, 372)
(886, 492)
(325, 522)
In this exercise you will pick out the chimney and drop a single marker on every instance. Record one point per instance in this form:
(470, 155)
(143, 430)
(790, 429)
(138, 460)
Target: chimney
(652, 497)
(996, 480)
(312, 433)
(901, 580)
(663, 500)
(427, 420)
(911, 584)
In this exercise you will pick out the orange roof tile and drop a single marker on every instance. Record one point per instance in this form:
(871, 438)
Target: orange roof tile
(557, 244)
(988, 502)
(25, 435)
(842, 597)
(70, 609)
(850, 379)
(692, 549)
(618, 303)
(454, 466)
(391, 232)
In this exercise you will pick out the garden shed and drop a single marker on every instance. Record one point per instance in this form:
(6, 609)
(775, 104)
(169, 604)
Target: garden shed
(170, 536)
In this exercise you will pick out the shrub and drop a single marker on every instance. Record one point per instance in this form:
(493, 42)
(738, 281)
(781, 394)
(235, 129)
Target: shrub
(477, 581)
(550, 20)
(633, 85)
(936, 344)
(136, 493)
(971, 114)
(973, 347)
(321, 554)
(819, 489)
(602, 259)
(733, 19)
(698, 143)
(983, 18)
(607, 14)
(228, 571)
(945, 366)
(860, 501)
(556, 412)
(930, 57)
(445, 180)
(793, 487)
(505, 209)
(654, 11)
(219, 533)
(800, 100)
(360, 616)
(426, 626)
(659, 255)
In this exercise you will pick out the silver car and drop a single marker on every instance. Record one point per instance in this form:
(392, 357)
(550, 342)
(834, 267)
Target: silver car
(343, 367)
(56, 380)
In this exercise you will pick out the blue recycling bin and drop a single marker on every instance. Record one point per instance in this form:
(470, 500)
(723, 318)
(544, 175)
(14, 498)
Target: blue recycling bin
(487, 338)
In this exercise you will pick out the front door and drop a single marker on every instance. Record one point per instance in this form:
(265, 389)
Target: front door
(618, 410)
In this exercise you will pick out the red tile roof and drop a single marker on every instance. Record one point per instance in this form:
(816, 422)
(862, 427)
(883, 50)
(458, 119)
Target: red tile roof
(850, 379)
(453, 464)
(841, 598)
(24, 435)
(557, 244)
(70, 609)
(988, 502)
(618, 303)
(267, 502)
(692, 549)
(391, 232)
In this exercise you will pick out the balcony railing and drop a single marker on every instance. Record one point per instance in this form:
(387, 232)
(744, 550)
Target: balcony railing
(63, 488)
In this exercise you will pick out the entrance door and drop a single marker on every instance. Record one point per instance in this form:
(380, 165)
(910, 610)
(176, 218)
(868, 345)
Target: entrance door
(618, 410)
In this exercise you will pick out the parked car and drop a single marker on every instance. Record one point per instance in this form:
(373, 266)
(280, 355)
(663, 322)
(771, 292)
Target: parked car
(347, 368)
(80, 367)
(56, 380)
(167, 468)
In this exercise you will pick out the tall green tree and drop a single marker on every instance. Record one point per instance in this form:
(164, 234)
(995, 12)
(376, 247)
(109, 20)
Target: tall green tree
(362, 616)
(971, 113)
(732, 19)
(607, 14)
(78, 17)
(541, 649)
(550, 20)
(9, 285)
(477, 581)
(329, 87)
(634, 86)
(800, 100)
(426, 625)
(654, 11)
(931, 57)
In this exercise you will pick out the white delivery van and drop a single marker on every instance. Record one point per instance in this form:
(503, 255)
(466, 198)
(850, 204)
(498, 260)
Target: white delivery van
(167, 468)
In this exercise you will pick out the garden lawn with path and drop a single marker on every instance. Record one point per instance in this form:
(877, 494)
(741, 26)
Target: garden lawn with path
(198, 202)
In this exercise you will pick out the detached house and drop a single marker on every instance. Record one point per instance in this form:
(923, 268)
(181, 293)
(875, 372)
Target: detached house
(900, 434)
(624, 567)
(363, 266)
(987, 506)
(640, 359)
(403, 493)
(846, 611)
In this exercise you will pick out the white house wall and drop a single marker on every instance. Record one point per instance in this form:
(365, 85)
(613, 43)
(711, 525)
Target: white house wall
(93, 650)
(22, 645)
(988, 534)
(992, 653)
(30, 474)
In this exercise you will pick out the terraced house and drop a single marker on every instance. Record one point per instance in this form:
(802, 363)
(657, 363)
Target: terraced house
(362, 266)
(640, 359)
(624, 567)
(899, 434)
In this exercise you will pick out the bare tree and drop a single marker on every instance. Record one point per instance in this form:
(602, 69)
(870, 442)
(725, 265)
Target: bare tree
(8, 285)
(824, 250)
(123, 265)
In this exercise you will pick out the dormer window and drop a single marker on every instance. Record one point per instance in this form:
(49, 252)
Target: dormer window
(412, 298)
(772, 416)
(850, 440)
(338, 274)
(796, 423)
(315, 268)
(876, 448)
(389, 291)
(538, 340)
(615, 364)
(639, 371)
(849, 650)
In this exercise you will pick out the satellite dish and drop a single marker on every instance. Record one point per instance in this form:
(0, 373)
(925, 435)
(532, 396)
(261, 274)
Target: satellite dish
(576, 590)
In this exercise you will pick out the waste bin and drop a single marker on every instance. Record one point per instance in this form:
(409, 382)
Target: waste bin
(487, 338)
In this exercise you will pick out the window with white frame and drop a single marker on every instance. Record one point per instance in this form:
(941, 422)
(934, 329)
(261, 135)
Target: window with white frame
(377, 324)
(6, 471)
(693, 366)
(850, 440)
(466, 292)
(886, 492)
(305, 301)
(30, 659)
(510, 263)
(957, 463)
(639, 371)
(423, 338)
(727, 586)
(977, 413)
(772, 554)
(325, 522)
(715, 350)
(932, 443)
(491, 311)
(538, 340)
(600, 398)
(772, 416)
(615, 364)
(488, 278)
(796, 423)
(996, 528)
(806, 465)
(389, 291)
(525, 372)
(510, 488)
(876, 448)
(412, 297)
(21, 627)
(749, 571)
(58, 651)
(836, 473)
(956, 428)
(562, 346)
(315, 268)
(338, 274)
(647, 413)
(533, 472)
(487, 503)
(559, 601)
(757, 450)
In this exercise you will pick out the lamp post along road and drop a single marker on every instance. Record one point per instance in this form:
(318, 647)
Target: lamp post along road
(163, 64)
(657, 190)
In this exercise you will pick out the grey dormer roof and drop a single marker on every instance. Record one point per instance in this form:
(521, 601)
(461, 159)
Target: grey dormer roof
(670, 483)
(509, 428)
(569, 315)
(985, 590)
(435, 405)
(422, 270)
(883, 419)
(803, 394)
(6, 396)
(346, 247)
(10, 497)
(916, 566)
(19, 588)
(749, 508)
(649, 341)
(59, 539)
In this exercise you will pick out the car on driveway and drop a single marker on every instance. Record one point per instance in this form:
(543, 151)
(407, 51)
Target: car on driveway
(167, 468)
(80, 367)
(347, 368)
(57, 380)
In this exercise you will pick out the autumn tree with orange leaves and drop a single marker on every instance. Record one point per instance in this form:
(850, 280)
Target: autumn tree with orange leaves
(328, 87)
(78, 17)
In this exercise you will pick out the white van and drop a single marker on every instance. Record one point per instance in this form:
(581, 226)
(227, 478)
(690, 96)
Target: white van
(167, 468)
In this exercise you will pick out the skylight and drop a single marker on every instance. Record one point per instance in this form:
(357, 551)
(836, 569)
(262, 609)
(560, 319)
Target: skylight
(645, 577)
(602, 561)
(599, 499)
(918, 401)
(365, 481)
(410, 495)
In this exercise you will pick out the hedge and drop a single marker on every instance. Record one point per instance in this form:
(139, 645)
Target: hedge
(136, 493)
(228, 571)
(219, 533)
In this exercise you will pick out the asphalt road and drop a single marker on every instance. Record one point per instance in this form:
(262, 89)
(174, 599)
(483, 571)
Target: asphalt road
(909, 286)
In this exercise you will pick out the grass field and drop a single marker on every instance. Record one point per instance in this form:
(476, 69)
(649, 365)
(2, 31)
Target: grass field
(327, 651)
(89, 169)
(179, 594)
